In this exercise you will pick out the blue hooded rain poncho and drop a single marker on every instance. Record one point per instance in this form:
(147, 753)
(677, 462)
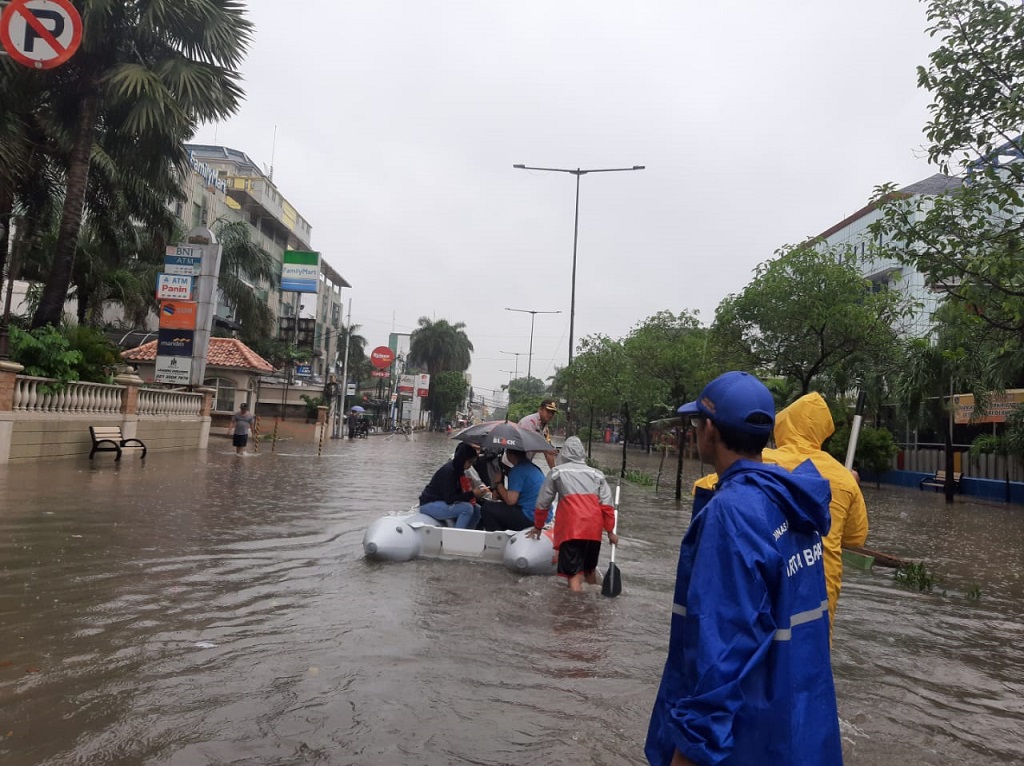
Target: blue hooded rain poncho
(748, 678)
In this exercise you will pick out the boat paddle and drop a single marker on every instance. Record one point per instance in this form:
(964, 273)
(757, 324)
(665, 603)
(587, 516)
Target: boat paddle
(611, 586)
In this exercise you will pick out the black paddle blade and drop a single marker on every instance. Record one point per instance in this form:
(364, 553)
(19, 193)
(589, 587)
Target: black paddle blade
(612, 584)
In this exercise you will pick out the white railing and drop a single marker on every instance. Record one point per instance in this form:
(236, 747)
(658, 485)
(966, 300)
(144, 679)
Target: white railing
(155, 401)
(33, 394)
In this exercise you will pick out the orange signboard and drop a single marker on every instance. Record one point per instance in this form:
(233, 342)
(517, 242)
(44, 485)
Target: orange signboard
(998, 408)
(178, 315)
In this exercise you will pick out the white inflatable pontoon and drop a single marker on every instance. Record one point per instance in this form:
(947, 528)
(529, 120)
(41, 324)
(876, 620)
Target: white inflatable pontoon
(403, 537)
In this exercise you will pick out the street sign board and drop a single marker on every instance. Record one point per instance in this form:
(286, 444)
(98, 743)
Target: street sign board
(380, 374)
(382, 357)
(300, 271)
(175, 342)
(173, 369)
(189, 265)
(173, 287)
(406, 383)
(1000, 406)
(303, 369)
(41, 34)
(422, 384)
(178, 315)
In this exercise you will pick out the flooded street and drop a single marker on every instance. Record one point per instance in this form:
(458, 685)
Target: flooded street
(209, 609)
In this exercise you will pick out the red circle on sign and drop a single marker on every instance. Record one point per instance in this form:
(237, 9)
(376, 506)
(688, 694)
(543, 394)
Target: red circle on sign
(382, 357)
(19, 11)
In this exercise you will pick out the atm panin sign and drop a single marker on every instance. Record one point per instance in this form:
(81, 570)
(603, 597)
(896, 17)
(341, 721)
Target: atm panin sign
(300, 271)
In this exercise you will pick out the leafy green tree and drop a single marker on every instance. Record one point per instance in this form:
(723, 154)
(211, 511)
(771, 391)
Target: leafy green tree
(449, 390)
(969, 243)
(666, 352)
(147, 73)
(809, 315)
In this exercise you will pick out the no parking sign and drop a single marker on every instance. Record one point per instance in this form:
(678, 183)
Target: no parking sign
(41, 34)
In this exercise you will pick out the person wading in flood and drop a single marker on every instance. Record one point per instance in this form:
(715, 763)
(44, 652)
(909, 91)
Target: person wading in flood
(748, 679)
(800, 430)
(242, 421)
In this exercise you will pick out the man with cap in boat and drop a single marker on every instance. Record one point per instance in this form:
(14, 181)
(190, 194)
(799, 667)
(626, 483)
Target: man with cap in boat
(748, 679)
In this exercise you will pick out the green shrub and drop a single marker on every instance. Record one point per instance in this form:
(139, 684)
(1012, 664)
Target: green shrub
(875, 448)
(46, 353)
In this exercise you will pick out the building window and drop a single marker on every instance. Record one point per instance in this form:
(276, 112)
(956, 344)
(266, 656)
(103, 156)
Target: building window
(224, 398)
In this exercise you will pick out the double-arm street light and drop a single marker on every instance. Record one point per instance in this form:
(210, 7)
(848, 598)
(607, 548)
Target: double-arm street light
(533, 318)
(516, 354)
(576, 230)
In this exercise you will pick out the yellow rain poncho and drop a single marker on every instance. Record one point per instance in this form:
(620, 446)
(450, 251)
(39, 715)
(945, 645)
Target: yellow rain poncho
(800, 430)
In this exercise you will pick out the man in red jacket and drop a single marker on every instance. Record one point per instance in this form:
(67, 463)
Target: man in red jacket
(584, 511)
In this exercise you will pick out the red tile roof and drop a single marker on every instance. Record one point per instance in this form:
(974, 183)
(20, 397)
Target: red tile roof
(224, 352)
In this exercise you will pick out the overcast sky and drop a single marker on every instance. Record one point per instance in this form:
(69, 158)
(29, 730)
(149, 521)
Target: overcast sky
(760, 122)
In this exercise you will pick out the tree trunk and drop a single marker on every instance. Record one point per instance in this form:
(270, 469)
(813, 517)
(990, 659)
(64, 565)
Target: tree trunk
(51, 304)
(6, 203)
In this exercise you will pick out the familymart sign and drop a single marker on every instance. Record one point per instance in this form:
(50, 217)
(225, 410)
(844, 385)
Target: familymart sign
(300, 271)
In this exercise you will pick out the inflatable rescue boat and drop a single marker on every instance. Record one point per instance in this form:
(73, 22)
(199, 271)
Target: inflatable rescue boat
(411, 535)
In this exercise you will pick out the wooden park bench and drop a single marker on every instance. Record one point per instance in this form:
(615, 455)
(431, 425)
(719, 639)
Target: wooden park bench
(938, 481)
(110, 439)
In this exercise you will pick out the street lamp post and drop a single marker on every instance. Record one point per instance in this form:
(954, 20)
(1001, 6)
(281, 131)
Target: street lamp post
(533, 318)
(576, 230)
(508, 388)
(516, 355)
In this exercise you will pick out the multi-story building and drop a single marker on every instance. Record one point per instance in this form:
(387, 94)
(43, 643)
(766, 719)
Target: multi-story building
(227, 185)
(854, 233)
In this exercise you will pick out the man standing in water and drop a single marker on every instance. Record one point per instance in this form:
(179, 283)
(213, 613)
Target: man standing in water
(538, 421)
(748, 678)
(242, 421)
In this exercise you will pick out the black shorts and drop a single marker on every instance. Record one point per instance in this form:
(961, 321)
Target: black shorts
(575, 556)
(240, 440)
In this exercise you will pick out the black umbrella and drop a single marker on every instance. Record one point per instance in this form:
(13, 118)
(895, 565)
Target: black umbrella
(497, 435)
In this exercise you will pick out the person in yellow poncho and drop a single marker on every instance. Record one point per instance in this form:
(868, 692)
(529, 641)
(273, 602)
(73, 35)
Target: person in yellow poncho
(800, 430)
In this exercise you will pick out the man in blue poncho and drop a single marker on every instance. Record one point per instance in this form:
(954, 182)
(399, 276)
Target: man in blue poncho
(748, 678)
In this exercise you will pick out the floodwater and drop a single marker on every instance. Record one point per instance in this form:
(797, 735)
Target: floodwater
(209, 609)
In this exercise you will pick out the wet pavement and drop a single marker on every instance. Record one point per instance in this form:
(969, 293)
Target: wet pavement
(209, 609)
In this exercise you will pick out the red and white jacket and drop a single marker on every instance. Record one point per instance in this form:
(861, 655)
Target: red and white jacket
(585, 509)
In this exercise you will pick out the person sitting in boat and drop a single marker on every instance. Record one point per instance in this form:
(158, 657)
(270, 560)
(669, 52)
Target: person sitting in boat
(515, 504)
(444, 498)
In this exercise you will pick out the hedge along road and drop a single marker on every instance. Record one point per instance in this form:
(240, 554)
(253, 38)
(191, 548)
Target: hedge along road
(209, 609)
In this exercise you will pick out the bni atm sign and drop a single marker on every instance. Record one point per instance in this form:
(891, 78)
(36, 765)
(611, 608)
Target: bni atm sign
(173, 287)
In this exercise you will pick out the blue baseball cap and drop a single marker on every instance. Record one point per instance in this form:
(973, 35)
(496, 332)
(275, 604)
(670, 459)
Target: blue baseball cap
(731, 399)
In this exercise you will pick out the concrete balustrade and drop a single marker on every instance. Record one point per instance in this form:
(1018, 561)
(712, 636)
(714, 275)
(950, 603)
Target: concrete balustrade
(41, 419)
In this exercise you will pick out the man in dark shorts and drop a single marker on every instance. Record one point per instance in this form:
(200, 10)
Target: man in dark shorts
(242, 421)
(585, 511)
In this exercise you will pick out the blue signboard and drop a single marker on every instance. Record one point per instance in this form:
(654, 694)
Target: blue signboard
(188, 265)
(303, 369)
(175, 342)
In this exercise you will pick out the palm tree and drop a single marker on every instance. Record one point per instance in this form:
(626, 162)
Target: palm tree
(147, 73)
(243, 266)
(440, 346)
